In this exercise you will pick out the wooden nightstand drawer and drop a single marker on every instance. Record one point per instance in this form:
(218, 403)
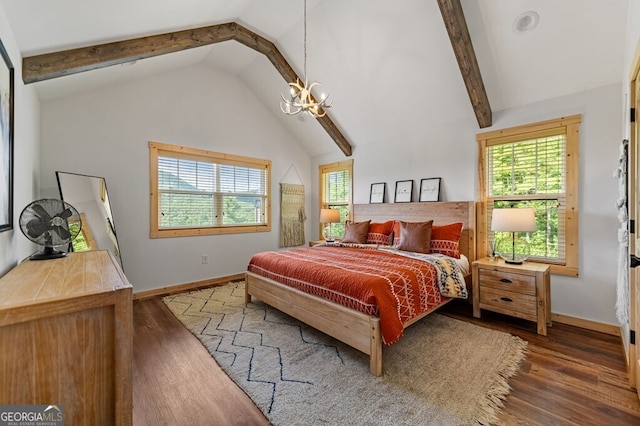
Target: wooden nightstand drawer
(522, 291)
(508, 281)
(509, 303)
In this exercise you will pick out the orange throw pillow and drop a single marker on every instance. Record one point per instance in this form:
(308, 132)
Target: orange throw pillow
(445, 239)
(380, 233)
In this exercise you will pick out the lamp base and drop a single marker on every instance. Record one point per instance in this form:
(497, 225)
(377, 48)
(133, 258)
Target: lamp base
(326, 234)
(513, 251)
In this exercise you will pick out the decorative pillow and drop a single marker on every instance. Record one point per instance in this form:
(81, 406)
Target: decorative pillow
(356, 232)
(380, 233)
(415, 236)
(396, 232)
(445, 239)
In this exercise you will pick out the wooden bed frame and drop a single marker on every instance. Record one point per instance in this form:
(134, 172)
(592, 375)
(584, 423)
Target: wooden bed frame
(354, 328)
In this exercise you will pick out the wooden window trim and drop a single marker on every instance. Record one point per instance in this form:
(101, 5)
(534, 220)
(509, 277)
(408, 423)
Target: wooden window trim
(88, 235)
(334, 167)
(570, 126)
(86, 232)
(156, 148)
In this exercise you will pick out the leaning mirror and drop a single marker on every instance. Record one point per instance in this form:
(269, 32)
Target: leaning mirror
(88, 194)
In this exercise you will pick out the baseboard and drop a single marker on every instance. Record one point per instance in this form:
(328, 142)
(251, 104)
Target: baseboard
(179, 288)
(586, 324)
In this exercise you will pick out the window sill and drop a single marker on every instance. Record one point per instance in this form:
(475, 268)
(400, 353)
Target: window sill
(194, 232)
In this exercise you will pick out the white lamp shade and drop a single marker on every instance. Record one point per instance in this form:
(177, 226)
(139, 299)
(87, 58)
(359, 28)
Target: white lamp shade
(329, 216)
(513, 220)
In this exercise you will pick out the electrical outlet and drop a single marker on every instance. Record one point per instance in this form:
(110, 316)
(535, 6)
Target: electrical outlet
(205, 258)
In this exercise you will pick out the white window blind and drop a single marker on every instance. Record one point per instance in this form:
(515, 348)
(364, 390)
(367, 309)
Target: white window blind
(337, 185)
(194, 193)
(531, 173)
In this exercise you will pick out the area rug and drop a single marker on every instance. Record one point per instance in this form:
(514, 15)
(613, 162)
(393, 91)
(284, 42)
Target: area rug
(442, 372)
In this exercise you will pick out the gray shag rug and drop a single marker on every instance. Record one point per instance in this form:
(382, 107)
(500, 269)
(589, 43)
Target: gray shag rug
(442, 371)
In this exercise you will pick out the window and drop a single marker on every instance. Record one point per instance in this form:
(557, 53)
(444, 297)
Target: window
(535, 166)
(336, 192)
(197, 192)
(84, 240)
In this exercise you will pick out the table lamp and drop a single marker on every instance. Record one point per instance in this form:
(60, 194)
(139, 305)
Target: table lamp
(329, 216)
(513, 220)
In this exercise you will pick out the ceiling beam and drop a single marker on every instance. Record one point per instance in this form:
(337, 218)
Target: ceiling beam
(73, 61)
(453, 17)
(57, 64)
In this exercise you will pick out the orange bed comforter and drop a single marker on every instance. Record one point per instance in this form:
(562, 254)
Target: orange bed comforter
(395, 286)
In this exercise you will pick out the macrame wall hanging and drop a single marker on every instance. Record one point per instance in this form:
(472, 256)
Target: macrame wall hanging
(622, 289)
(292, 215)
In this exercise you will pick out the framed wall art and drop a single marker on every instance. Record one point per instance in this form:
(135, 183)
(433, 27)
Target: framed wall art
(430, 189)
(404, 191)
(6, 140)
(378, 191)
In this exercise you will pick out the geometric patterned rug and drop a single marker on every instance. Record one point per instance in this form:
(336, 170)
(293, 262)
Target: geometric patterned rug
(442, 371)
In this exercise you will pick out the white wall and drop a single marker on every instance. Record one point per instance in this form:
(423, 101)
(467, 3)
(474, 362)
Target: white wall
(450, 152)
(106, 133)
(13, 245)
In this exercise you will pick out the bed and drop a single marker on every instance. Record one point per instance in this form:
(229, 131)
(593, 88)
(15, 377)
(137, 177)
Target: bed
(361, 330)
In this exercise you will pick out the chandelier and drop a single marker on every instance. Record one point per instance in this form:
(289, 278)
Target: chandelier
(300, 98)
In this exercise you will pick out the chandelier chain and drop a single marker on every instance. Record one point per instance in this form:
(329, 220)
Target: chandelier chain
(300, 98)
(305, 43)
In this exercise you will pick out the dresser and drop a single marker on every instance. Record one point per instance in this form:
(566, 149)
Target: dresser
(521, 291)
(66, 329)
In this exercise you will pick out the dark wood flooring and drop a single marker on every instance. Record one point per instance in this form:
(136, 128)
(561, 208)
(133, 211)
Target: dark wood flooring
(175, 380)
(570, 377)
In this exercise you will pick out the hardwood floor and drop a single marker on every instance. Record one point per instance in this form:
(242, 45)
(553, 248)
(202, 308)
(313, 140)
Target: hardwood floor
(175, 380)
(570, 377)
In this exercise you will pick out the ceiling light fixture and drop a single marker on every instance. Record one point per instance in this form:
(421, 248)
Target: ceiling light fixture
(300, 97)
(526, 22)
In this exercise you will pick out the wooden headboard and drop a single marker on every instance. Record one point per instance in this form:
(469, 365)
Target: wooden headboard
(442, 213)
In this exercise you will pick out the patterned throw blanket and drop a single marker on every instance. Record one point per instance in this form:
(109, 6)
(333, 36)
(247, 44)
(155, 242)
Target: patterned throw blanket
(450, 278)
(393, 285)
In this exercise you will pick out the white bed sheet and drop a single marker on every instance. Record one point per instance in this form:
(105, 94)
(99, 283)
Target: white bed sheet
(464, 264)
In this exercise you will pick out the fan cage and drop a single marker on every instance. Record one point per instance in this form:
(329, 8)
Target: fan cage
(50, 223)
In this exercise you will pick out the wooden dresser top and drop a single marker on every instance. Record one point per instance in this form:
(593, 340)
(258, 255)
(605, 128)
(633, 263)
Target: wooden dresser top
(77, 275)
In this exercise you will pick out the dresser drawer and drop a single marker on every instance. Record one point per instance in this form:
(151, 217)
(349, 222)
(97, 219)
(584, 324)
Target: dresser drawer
(508, 281)
(510, 303)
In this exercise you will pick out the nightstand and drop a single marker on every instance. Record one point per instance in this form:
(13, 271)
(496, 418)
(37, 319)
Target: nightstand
(521, 291)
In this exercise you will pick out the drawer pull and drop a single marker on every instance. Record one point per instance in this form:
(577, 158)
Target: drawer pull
(506, 299)
(506, 280)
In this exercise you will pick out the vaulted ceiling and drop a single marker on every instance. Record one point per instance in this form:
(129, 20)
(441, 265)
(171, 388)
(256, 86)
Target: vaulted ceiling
(387, 66)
